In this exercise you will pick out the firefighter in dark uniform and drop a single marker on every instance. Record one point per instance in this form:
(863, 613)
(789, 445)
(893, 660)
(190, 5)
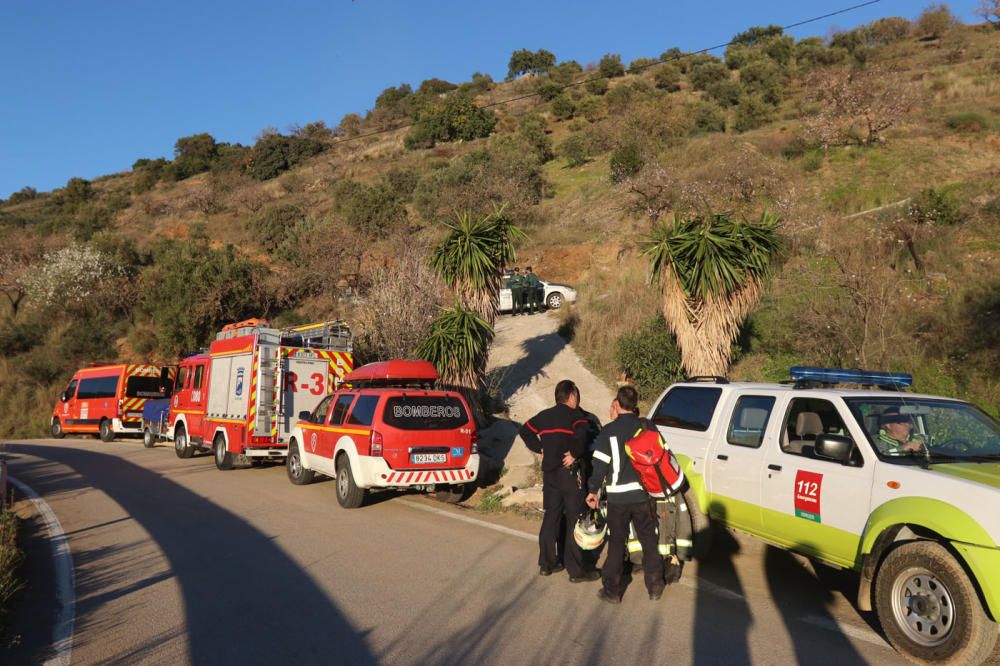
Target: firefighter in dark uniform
(516, 285)
(627, 500)
(560, 434)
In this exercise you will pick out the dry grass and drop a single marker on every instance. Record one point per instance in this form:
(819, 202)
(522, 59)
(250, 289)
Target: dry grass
(10, 558)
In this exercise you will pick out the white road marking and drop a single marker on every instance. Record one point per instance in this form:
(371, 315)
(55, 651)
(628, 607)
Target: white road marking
(62, 633)
(474, 521)
(866, 635)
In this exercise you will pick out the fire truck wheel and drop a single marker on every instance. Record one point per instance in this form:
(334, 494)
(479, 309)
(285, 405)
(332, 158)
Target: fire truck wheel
(182, 447)
(223, 458)
(57, 430)
(349, 495)
(106, 433)
(297, 474)
(451, 494)
(147, 438)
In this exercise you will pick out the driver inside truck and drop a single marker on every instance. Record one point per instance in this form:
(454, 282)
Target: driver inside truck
(896, 436)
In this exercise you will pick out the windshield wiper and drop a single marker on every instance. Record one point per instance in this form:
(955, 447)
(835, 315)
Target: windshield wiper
(946, 458)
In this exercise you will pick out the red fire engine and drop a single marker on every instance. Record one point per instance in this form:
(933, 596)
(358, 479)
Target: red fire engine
(241, 398)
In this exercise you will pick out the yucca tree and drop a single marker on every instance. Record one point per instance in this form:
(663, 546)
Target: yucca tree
(471, 259)
(455, 344)
(711, 271)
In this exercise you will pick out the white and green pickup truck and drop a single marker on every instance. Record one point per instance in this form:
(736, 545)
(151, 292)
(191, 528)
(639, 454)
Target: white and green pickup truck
(901, 487)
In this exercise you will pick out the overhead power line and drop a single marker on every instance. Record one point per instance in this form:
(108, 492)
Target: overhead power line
(654, 63)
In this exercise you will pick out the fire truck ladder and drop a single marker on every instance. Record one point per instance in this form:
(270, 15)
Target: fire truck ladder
(266, 383)
(328, 335)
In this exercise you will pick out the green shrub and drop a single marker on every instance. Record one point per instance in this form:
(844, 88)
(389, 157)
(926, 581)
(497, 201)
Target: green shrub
(564, 72)
(889, 30)
(638, 65)
(575, 149)
(272, 225)
(18, 337)
(525, 62)
(590, 107)
(402, 182)
(435, 87)
(940, 206)
(534, 130)
(548, 90)
(703, 75)
(563, 107)
(611, 66)
(934, 21)
(370, 209)
(812, 52)
(650, 357)
(813, 161)
(597, 86)
(667, 77)
(706, 116)
(765, 77)
(726, 92)
(626, 161)
(967, 121)
(77, 191)
(457, 117)
(193, 155)
(274, 154)
(752, 112)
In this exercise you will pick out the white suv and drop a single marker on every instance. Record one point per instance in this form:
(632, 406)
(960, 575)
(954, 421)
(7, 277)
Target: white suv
(555, 295)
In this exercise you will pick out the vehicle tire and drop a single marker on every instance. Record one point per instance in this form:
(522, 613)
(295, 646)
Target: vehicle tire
(929, 609)
(297, 474)
(57, 429)
(349, 495)
(701, 527)
(223, 458)
(148, 440)
(554, 300)
(451, 494)
(182, 445)
(105, 432)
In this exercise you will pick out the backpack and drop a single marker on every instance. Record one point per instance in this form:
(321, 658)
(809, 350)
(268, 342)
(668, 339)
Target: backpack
(654, 463)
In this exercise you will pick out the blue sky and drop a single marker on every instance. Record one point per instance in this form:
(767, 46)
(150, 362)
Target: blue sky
(89, 87)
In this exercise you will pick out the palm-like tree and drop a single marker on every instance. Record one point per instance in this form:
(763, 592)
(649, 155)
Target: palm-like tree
(711, 271)
(471, 259)
(454, 345)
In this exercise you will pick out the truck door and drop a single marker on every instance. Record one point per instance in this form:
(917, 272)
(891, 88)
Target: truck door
(735, 463)
(69, 410)
(506, 298)
(812, 505)
(305, 378)
(197, 394)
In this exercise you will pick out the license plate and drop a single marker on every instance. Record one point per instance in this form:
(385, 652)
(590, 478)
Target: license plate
(425, 458)
(134, 415)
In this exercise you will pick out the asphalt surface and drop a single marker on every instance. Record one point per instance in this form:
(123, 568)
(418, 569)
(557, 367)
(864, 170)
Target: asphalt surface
(176, 562)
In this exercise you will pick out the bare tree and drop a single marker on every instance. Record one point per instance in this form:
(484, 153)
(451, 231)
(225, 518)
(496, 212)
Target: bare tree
(858, 104)
(990, 11)
(18, 253)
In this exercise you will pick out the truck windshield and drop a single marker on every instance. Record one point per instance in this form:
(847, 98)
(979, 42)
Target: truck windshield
(931, 430)
(145, 387)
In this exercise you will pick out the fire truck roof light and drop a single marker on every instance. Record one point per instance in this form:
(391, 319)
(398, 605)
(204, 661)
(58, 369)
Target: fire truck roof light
(802, 373)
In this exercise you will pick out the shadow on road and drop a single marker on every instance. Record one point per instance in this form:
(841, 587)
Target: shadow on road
(538, 353)
(245, 601)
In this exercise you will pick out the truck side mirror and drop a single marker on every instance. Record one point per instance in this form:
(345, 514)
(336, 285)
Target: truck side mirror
(64, 396)
(305, 416)
(834, 447)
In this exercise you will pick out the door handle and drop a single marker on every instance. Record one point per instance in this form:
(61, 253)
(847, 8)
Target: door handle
(722, 456)
(776, 468)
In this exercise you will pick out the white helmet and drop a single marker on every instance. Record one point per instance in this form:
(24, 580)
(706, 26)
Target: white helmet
(590, 530)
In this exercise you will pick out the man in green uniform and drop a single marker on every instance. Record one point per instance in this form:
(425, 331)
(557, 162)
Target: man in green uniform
(532, 289)
(516, 285)
(896, 437)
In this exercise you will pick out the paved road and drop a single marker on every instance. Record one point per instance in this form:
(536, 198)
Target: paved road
(176, 562)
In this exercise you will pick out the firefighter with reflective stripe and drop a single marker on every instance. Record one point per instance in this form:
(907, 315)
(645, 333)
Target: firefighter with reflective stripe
(560, 434)
(628, 501)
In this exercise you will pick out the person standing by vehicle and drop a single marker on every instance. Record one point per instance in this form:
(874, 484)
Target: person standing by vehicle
(628, 501)
(532, 288)
(516, 285)
(559, 433)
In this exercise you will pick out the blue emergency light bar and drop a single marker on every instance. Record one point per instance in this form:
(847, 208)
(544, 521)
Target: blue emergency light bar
(804, 373)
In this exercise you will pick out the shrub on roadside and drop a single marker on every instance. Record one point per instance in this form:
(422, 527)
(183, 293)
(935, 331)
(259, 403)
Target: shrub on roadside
(649, 356)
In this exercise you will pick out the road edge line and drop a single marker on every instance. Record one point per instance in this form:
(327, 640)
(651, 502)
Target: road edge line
(474, 521)
(62, 632)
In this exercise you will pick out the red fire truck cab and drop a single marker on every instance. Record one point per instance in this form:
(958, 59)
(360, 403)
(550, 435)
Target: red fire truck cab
(241, 397)
(386, 428)
(107, 400)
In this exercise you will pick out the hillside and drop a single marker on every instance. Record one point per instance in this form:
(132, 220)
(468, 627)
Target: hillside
(336, 221)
